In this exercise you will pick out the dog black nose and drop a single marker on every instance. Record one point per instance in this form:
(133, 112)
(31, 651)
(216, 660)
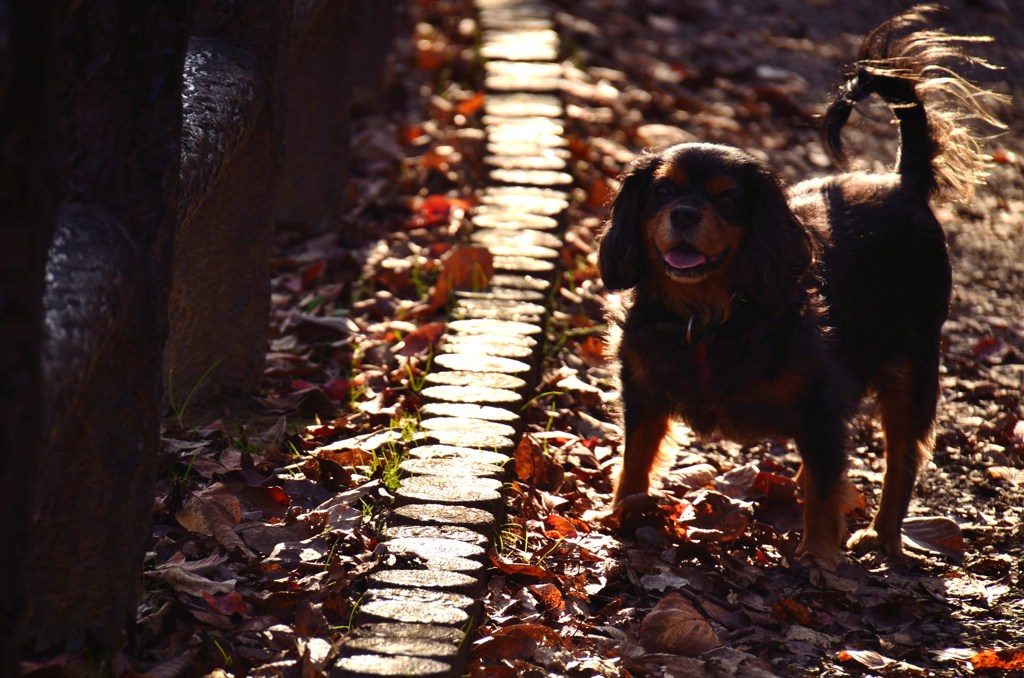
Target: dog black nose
(685, 215)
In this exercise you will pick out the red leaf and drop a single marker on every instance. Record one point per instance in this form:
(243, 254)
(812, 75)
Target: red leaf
(560, 528)
(521, 569)
(548, 595)
(279, 495)
(312, 272)
(226, 603)
(435, 210)
(302, 385)
(992, 349)
(789, 610)
(776, 488)
(470, 106)
(423, 337)
(338, 389)
(464, 267)
(1010, 659)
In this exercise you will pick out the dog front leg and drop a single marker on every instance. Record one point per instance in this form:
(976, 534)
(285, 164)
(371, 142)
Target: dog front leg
(822, 477)
(645, 428)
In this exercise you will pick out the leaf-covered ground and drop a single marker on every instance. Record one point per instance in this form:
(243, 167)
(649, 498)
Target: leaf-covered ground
(708, 563)
(267, 514)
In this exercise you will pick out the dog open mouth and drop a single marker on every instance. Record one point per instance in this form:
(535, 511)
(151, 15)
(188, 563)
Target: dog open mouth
(686, 261)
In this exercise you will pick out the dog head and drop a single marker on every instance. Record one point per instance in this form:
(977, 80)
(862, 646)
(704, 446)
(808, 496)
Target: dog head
(700, 223)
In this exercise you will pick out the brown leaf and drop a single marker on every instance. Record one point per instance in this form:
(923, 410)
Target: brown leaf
(226, 603)
(542, 634)
(676, 627)
(714, 517)
(521, 569)
(562, 528)
(592, 350)
(464, 267)
(506, 647)
(789, 610)
(548, 595)
(937, 534)
(518, 641)
(422, 338)
(214, 512)
(534, 467)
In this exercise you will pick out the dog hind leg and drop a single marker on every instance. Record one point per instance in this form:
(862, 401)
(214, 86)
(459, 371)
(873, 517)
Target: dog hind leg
(907, 399)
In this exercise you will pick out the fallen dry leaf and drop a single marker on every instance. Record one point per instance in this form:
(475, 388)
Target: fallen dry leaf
(464, 267)
(674, 626)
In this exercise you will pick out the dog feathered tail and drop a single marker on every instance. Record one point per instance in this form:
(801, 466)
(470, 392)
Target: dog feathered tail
(913, 70)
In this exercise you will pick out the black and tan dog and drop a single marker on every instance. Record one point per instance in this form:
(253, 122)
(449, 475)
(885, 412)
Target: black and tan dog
(755, 311)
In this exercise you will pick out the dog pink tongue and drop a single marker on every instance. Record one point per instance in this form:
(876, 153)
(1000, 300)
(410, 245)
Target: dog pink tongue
(684, 257)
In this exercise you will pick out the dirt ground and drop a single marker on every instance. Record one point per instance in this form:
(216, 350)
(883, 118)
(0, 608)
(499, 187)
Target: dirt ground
(755, 74)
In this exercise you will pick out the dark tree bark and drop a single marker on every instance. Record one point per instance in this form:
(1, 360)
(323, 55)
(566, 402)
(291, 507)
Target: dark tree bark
(118, 88)
(29, 190)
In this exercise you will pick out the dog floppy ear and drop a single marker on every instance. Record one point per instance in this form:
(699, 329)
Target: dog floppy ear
(621, 257)
(778, 250)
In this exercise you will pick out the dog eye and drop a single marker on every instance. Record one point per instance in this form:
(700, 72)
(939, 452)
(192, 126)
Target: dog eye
(661, 190)
(726, 201)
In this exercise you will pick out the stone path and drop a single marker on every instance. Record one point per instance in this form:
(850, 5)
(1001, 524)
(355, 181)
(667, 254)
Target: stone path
(415, 618)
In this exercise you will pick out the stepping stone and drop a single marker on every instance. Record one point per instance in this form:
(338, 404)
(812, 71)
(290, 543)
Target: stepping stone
(427, 549)
(455, 468)
(471, 394)
(503, 327)
(527, 160)
(496, 345)
(513, 249)
(533, 70)
(477, 363)
(420, 606)
(480, 441)
(520, 264)
(525, 307)
(469, 410)
(506, 21)
(544, 124)
(502, 293)
(486, 379)
(441, 634)
(454, 582)
(529, 199)
(508, 134)
(520, 45)
(531, 177)
(525, 282)
(507, 218)
(379, 665)
(400, 647)
(474, 519)
(438, 532)
(467, 425)
(456, 452)
(493, 312)
(517, 76)
(433, 490)
(520, 236)
(525, 105)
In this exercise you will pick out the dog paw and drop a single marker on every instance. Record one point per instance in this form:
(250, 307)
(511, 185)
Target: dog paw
(869, 539)
(606, 518)
(817, 555)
